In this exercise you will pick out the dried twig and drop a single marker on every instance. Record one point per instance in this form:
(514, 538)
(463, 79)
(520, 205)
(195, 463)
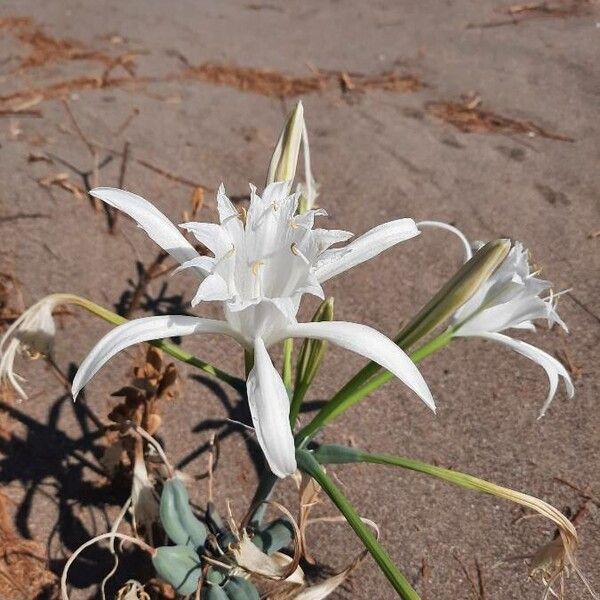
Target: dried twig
(469, 119)
(91, 149)
(146, 276)
(114, 213)
(564, 356)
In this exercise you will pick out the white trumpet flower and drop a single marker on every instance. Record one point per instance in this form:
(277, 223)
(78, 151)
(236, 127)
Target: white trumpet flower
(510, 299)
(32, 333)
(263, 261)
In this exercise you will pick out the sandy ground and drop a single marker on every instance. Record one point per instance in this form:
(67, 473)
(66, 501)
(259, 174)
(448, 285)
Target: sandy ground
(378, 154)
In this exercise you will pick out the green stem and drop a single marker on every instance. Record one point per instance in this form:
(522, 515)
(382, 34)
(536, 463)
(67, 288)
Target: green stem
(300, 390)
(347, 397)
(288, 349)
(307, 463)
(168, 347)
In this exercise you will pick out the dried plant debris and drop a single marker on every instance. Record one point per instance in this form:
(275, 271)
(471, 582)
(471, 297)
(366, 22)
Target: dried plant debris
(10, 294)
(153, 381)
(62, 89)
(23, 570)
(258, 81)
(43, 49)
(528, 11)
(556, 8)
(62, 181)
(469, 118)
(268, 82)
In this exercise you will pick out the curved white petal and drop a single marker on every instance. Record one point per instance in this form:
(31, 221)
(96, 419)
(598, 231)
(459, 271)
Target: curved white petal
(143, 330)
(270, 409)
(457, 232)
(203, 264)
(336, 261)
(553, 367)
(150, 219)
(504, 316)
(214, 287)
(213, 236)
(370, 343)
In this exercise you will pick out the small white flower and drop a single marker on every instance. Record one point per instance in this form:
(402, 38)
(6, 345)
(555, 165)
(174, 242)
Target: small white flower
(263, 262)
(511, 299)
(33, 332)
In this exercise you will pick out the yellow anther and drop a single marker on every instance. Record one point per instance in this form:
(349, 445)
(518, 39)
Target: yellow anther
(256, 265)
(242, 213)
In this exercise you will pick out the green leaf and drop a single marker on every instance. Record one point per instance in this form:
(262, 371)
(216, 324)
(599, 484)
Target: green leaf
(451, 296)
(308, 464)
(178, 565)
(336, 454)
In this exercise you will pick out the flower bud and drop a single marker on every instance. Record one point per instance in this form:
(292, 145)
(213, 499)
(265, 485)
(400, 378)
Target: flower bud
(455, 292)
(285, 156)
(311, 355)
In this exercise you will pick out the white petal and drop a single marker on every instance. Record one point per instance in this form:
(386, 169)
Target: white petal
(553, 367)
(142, 330)
(214, 287)
(457, 232)
(270, 409)
(150, 219)
(204, 264)
(213, 236)
(333, 262)
(370, 343)
(504, 316)
(225, 207)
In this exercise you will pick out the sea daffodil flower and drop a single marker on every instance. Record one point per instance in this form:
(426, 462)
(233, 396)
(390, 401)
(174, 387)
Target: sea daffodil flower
(510, 299)
(263, 261)
(33, 332)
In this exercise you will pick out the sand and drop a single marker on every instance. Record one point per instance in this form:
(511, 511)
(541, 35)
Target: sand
(380, 151)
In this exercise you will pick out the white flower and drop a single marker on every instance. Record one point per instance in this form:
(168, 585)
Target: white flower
(33, 332)
(264, 260)
(510, 299)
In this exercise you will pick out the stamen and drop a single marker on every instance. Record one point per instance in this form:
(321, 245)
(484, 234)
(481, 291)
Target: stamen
(256, 266)
(242, 214)
(296, 251)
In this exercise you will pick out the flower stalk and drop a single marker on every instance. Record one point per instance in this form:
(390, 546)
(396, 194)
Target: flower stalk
(450, 297)
(347, 397)
(309, 465)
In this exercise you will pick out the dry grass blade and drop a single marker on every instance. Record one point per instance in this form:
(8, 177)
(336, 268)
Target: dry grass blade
(62, 181)
(259, 81)
(43, 49)
(268, 82)
(558, 8)
(469, 119)
(62, 89)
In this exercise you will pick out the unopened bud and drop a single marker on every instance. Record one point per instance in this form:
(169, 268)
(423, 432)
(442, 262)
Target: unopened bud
(285, 156)
(455, 292)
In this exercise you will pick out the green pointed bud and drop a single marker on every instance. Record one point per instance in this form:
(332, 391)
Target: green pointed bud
(177, 518)
(285, 156)
(194, 527)
(169, 516)
(455, 292)
(310, 359)
(178, 565)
